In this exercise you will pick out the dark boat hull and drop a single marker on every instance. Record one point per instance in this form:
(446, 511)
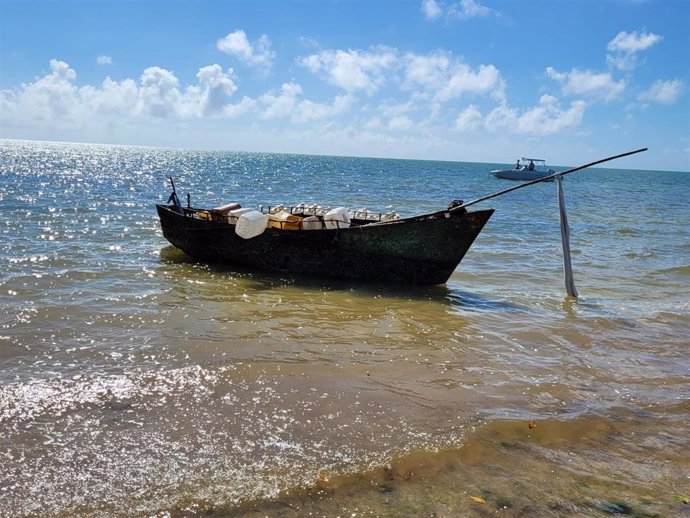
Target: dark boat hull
(421, 250)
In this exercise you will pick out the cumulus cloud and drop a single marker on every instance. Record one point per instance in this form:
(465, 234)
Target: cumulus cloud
(55, 101)
(352, 70)
(258, 54)
(466, 9)
(633, 42)
(584, 82)
(400, 123)
(159, 93)
(388, 109)
(104, 60)
(431, 9)
(286, 104)
(50, 96)
(664, 92)
(113, 99)
(546, 118)
(460, 9)
(437, 77)
(280, 104)
(429, 82)
(307, 111)
(469, 119)
(445, 78)
(373, 123)
(215, 87)
(625, 46)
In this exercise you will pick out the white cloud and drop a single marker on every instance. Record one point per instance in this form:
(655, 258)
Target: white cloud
(466, 9)
(307, 111)
(427, 71)
(104, 60)
(213, 91)
(286, 104)
(400, 123)
(633, 42)
(55, 101)
(8, 105)
(233, 110)
(546, 118)
(431, 9)
(502, 118)
(437, 77)
(113, 99)
(281, 104)
(257, 55)
(309, 43)
(461, 9)
(373, 123)
(352, 70)
(469, 119)
(664, 92)
(49, 97)
(159, 93)
(391, 110)
(584, 82)
(444, 78)
(487, 79)
(625, 47)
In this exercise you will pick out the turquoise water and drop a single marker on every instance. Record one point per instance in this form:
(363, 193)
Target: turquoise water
(135, 381)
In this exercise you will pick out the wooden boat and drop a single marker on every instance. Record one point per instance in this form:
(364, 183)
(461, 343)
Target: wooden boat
(529, 169)
(423, 249)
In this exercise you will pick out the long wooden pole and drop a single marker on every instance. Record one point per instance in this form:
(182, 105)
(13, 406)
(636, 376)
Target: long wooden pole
(565, 241)
(546, 178)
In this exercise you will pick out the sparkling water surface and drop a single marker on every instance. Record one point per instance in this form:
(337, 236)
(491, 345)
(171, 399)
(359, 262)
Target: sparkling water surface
(137, 382)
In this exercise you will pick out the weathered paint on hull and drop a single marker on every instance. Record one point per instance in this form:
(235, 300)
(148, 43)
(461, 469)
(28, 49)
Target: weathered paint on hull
(421, 250)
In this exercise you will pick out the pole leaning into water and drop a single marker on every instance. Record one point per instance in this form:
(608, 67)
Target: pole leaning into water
(565, 241)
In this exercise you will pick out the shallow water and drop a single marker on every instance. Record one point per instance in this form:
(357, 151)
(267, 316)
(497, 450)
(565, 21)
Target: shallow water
(135, 381)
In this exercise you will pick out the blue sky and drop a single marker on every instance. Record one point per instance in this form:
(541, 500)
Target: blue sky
(467, 80)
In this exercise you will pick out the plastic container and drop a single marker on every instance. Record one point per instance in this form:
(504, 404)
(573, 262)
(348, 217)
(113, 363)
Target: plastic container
(284, 220)
(251, 224)
(311, 223)
(337, 218)
(234, 215)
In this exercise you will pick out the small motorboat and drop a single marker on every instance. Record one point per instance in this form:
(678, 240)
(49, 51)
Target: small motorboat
(526, 169)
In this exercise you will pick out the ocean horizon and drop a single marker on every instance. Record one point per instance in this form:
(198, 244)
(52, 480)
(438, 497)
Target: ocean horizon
(382, 157)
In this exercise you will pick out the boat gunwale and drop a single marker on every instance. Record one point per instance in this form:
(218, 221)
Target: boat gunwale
(444, 213)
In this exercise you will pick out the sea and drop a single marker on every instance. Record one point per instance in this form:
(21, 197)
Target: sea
(135, 381)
